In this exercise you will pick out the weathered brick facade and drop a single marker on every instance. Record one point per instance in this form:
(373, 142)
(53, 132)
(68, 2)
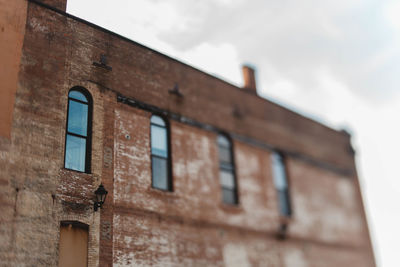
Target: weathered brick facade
(140, 225)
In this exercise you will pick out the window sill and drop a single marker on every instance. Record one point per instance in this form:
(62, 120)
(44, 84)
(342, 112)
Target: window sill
(231, 208)
(161, 192)
(65, 170)
(285, 219)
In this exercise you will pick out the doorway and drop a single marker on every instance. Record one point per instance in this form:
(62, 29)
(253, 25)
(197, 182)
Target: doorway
(73, 246)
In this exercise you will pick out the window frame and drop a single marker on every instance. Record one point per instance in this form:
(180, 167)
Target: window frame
(88, 137)
(169, 154)
(285, 192)
(231, 168)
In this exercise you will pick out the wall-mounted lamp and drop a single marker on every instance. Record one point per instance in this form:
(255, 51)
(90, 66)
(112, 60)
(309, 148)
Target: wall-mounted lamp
(101, 194)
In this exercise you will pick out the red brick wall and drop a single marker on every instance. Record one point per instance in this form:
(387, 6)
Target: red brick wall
(147, 76)
(12, 28)
(151, 226)
(326, 206)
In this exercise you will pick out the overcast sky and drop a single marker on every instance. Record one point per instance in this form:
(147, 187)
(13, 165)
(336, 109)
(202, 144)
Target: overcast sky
(336, 61)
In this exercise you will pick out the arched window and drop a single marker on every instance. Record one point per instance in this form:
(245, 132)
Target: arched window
(79, 130)
(227, 170)
(160, 163)
(281, 184)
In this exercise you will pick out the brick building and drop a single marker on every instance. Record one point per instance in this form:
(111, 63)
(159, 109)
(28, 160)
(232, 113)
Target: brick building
(198, 172)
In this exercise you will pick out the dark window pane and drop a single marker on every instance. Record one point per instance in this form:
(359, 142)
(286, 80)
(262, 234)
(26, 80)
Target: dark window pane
(223, 141)
(225, 154)
(229, 196)
(77, 118)
(77, 95)
(157, 120)
(226, 171)
(284, 204)
(279, 173)
(226, 166)
(159, 141)
(75, 153)
(160, 173)
(226, 179)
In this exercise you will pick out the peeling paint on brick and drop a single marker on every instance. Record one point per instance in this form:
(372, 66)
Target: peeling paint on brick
(235, 256)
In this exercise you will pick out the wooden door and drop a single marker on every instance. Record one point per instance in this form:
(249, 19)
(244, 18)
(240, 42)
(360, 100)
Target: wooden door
(73, 247)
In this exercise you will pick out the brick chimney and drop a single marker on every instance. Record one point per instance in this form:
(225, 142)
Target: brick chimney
(59, 4)
(249, 79)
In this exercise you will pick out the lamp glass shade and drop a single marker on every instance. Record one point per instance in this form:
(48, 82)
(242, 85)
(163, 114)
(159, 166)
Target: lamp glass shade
(101, 194)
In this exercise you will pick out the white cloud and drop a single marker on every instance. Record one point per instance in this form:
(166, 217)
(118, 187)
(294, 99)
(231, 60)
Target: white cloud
(219, 59)
(391, 13)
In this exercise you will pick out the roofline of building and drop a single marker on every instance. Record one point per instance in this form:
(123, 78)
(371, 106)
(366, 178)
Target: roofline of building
(61, 12)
